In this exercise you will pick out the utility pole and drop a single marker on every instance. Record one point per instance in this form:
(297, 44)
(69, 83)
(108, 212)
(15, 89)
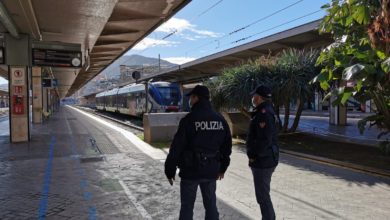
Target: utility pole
(159, 63)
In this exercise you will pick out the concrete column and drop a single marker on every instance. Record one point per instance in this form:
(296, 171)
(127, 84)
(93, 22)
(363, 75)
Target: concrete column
(337, 114)
(182, 106)
(318, 101)
(19, 104)
(44, 100)
(37, 95)
(54, 100)
(18, 60)
(49, 100)
(368, 106)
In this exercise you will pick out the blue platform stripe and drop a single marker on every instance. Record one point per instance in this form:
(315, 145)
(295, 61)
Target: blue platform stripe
(83, 184)
(46, 183)
(92, 213)
(87, 196)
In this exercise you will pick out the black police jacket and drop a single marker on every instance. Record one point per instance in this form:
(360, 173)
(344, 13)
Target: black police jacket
(261, 141)
(202, 145)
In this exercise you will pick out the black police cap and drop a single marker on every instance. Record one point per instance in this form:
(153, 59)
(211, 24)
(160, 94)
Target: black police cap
(201, 91)
(262, 91)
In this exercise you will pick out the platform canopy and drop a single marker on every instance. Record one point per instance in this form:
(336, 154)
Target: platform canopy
(104, 29)
(304, 36)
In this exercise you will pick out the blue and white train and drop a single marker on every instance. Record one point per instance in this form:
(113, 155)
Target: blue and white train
(131, 99)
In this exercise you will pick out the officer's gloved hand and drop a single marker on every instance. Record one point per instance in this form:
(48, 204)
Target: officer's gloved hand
(220, 176)
(171, 180)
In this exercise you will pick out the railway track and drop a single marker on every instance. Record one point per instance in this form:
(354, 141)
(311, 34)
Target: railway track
(119, 121)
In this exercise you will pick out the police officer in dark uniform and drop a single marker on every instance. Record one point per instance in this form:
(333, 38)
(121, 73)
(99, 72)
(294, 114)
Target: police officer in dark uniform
(201, 149)
(262, 149)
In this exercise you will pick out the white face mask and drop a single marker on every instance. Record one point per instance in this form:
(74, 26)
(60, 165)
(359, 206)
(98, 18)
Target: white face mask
(189, 103)
(253, 102)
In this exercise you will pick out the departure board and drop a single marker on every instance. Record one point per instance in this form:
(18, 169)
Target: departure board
(56, 58)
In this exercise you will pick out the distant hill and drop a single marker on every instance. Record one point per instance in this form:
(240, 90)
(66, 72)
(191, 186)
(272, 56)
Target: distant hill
(111, 76)
(133, 60)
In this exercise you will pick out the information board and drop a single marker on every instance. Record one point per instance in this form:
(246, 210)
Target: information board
(56, 58)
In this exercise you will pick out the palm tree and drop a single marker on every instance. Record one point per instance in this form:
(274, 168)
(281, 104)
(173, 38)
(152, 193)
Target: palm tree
(288, 75)
(232, 89)
(296, 68)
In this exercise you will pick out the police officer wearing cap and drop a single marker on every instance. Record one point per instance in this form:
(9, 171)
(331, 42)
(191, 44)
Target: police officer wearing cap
(201, 150)
(262, 149)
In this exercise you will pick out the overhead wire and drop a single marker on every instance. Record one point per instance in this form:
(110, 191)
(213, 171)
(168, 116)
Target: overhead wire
(266, 30)
(246, 26)
(269, 29)
(195, 18)
(274, 27)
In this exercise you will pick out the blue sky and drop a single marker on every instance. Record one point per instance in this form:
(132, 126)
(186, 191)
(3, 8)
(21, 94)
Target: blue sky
(199, 34)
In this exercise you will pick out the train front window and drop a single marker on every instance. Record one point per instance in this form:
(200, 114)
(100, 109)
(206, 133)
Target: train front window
(170, 95)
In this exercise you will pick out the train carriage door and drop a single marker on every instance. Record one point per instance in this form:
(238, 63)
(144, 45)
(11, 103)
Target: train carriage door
(132, 103)
(140, 102)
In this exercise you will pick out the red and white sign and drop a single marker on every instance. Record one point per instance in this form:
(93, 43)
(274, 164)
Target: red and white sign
(18, 76)
(18, 90)
(18, 105)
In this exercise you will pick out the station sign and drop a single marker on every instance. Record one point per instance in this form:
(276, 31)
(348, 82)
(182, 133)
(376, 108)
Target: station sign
(49, 83)
(18, 76)
(54, 83)
(56, 58)
(46, 83)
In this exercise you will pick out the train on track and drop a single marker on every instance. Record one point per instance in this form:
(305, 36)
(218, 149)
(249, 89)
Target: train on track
(131, 99)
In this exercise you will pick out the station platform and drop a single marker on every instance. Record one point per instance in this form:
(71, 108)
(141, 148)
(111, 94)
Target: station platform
(78, 166)
(319, 126)
(4, 125)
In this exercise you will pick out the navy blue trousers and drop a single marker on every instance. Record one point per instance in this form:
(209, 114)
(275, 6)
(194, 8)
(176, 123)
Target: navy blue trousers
(262, 180)
(188, 189)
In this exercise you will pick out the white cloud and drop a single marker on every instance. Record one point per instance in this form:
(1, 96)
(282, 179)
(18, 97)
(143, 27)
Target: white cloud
(3, 81)
(188, 37)
(183, 25)
(152, 42)
(179, 60)
(206, 33)
(175, 24)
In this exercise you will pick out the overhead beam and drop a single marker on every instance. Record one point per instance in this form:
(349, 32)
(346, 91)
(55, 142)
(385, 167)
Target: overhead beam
(118, 43)
(109, 31)
(29, 13)
(257, 52)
